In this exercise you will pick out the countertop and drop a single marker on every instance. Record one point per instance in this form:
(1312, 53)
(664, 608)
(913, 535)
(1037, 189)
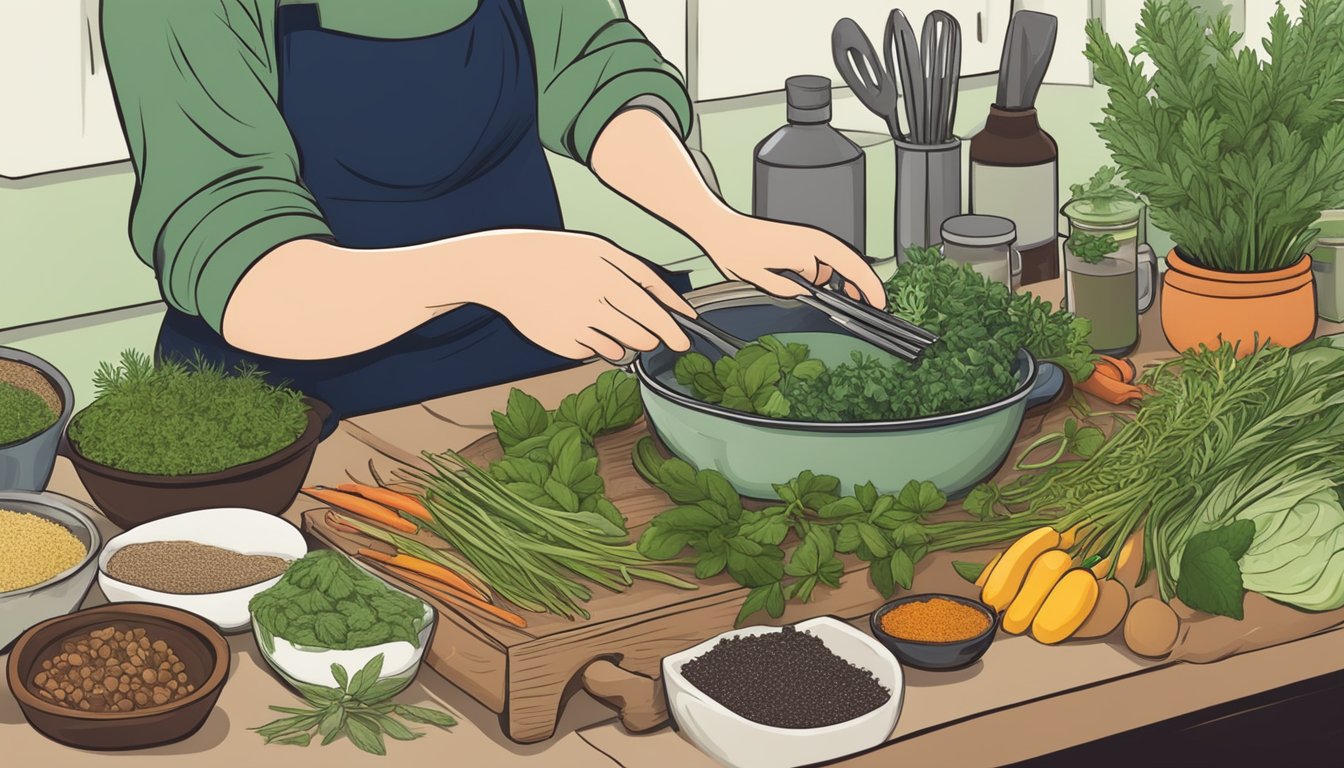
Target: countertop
(1022, 700)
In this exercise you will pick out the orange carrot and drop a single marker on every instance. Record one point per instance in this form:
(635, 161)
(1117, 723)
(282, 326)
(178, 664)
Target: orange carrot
(364, 508)
(336, 521)
(388, 497)
(1123, 366)
(1110, 390)
(1104, 367)
(425, 568)
(448, 595)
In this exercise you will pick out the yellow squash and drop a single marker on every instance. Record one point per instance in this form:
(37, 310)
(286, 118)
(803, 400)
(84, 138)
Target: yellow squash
(1006, 579)
(1067, 607)
(984, 575)
(1044, 573)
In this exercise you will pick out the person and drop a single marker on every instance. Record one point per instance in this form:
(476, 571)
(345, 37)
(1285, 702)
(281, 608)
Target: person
(354, 196)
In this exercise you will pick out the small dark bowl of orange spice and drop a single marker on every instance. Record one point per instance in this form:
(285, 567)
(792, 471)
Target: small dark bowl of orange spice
(122, 676)
(935, 631)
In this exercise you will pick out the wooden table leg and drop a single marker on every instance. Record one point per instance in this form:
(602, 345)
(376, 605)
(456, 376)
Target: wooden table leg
(638, 699)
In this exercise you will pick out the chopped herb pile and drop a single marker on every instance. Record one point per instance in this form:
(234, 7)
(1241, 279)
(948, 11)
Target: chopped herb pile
(361, 710)
(981, 325)
(184, 419)
(326, 601)
(22, 414)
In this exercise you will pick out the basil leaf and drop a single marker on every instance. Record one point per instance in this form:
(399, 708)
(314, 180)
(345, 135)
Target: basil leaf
(426, 716)
(968, 571)
(1211, 582)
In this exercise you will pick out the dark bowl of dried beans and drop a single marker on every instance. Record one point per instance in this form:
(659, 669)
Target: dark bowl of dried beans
(123, 676)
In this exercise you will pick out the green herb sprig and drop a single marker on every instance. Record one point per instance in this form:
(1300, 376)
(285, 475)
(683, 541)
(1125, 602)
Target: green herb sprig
(1103, 192)
(891, 532)
(360, 709)
(1236, 156)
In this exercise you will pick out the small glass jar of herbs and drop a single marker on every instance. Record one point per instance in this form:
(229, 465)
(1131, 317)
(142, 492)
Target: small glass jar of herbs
(1101, 261)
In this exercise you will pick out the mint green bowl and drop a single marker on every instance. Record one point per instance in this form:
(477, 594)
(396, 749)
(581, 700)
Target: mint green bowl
(954, 451)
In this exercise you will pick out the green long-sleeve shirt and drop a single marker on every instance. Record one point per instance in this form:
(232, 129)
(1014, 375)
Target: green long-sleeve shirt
(217, 173)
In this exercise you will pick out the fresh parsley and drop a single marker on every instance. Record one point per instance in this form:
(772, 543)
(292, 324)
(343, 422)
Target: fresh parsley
(1102, 192)
(1236, 156)
(360, 709)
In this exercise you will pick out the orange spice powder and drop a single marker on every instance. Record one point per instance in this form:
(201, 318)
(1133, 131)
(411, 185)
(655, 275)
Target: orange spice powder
(937, 620)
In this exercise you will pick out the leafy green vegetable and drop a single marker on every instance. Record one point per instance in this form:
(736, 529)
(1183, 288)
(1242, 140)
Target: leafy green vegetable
(891, 532)
(1210, 579)
(184, 419)
(1236, 156)
(969, 571)
(325, 601)
(1091, 248)
(1081, 441)
(360, 709)
(981, 325)
(22, 414)
(549, 459)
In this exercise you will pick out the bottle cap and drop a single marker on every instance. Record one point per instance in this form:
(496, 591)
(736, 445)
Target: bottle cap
(978, 230)
(808, 98)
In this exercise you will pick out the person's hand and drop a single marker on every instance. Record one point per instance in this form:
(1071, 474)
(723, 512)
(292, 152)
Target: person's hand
(578, 295)
(754, 250)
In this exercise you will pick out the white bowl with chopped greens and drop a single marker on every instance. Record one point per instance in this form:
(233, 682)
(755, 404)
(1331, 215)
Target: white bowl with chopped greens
(327, 611)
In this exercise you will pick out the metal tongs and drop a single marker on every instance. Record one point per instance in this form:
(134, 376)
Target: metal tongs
(881, 329)
(885, 331)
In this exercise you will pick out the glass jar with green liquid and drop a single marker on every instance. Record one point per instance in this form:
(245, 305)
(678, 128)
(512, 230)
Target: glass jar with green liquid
(1101, 268)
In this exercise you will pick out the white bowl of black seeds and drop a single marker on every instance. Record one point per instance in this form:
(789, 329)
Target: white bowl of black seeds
(210, 562)
(776, 697)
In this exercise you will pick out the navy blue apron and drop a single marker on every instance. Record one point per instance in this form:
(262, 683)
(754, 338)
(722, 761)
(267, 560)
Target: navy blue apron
(404, 142)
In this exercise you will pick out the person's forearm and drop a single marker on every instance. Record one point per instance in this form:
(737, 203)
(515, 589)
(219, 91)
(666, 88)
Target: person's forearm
(642, 158)
(309, 300)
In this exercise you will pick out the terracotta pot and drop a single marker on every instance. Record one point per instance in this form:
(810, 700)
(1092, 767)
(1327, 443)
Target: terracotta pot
(269, 484)
(1205, 306)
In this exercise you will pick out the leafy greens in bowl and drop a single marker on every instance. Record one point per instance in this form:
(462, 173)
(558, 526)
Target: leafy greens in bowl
(982, 327)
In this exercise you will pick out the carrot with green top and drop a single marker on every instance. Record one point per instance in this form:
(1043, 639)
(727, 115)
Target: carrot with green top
(357, 505)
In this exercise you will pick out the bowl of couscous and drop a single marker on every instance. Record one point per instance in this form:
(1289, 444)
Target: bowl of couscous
(48, 558)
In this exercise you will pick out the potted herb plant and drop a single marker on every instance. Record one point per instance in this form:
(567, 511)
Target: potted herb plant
(35, 404)
(1236, 156)
(176, 437)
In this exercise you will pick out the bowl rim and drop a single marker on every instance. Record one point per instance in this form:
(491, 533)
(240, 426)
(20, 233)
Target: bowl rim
(111, 547)
(205, 631)
(70, 506)
(1027, 367)
(672, 672)
(307, 440)
(875, 618)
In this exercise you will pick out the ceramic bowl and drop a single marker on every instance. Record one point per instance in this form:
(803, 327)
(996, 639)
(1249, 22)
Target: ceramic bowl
(62, 593)
(936, 656)
(242, 530)
(740, 743)
(312, 665)
(200, 647)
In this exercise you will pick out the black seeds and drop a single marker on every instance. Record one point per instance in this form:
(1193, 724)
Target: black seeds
(787, 679)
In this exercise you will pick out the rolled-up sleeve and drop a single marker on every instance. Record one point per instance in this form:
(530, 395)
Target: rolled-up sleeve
(217, 174)
(592, 62)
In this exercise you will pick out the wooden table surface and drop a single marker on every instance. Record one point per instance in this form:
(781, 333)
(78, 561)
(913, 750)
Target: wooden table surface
(1021, 701)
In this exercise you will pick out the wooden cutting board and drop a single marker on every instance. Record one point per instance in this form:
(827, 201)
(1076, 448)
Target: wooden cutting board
(525, 675)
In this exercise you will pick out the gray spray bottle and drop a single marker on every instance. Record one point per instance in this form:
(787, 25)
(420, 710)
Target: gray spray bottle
(808, 172)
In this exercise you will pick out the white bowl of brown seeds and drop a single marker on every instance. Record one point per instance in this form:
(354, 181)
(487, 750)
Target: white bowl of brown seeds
(210, 562)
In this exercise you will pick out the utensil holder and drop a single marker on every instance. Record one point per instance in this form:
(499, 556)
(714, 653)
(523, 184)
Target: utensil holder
(928, 192)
